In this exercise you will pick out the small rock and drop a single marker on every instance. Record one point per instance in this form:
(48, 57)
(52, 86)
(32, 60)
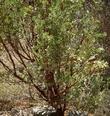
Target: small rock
(14, 112)
(44, 111)
(77, 113)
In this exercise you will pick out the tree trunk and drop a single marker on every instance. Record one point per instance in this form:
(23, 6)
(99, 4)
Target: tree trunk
(53, 96)
(59, 112)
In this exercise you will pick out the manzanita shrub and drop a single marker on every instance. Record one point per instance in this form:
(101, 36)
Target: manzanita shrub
(53, 45)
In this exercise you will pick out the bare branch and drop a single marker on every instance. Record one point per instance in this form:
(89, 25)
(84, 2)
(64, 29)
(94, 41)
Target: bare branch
(5, 66)
(11, 71)
(7, 50)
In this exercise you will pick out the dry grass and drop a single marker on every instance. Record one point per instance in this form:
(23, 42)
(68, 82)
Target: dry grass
(11, 91)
